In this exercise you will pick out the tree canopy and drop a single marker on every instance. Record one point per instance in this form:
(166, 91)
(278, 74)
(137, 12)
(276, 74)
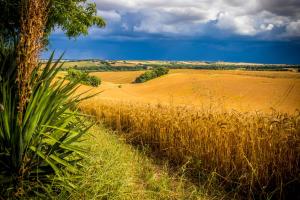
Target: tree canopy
(74, 17)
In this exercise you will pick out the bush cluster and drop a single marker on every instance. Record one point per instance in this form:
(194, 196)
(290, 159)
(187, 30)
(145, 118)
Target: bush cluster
(148, 75)
(82, 77)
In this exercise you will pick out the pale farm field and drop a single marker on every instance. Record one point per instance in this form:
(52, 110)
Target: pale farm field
(239, 90)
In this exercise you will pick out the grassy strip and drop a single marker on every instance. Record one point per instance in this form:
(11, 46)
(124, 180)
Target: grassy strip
(114, 170)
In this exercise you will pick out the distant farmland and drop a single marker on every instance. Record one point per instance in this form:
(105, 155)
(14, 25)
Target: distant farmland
(102, 65)
(240, 127)
(118, 77)
(241, 90)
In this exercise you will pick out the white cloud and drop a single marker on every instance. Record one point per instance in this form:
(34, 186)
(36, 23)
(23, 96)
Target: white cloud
(266, 27)
(243, 25)
(125, 26)
(293, 29)
(166, 23)
(195, 17)
(109, 15)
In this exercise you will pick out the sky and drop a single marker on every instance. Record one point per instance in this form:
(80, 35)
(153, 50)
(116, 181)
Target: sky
(261, 31)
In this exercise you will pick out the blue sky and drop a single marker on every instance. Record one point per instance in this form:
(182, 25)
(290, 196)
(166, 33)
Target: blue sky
(265, 31)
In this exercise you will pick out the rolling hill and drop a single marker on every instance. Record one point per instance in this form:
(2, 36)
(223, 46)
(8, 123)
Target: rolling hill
(239, 90)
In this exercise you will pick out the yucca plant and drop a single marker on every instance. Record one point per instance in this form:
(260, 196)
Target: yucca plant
(39, 155)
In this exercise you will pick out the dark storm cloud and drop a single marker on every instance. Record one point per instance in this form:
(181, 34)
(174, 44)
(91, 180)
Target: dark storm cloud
(288, 8)
(272, 19)
(266, 31)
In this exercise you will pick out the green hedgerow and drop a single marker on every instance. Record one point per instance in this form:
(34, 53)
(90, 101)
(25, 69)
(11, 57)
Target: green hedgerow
(83, 77)
(148, 75)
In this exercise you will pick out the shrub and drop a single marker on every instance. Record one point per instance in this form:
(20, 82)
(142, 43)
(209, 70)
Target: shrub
(148, 75)
(160, 71)
(40, 152)
(92, 81)
(82, 77)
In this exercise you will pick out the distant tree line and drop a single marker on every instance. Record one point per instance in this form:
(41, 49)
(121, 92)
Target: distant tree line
(104, 68)
(107, 67)
(148, 75)
(214, 66)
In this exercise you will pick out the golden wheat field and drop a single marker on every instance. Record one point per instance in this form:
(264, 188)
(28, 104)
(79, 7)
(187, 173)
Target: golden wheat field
(118, 77)
(218, 122)
(239, 90)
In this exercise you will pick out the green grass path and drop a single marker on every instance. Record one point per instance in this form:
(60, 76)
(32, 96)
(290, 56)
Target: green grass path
(115, 170)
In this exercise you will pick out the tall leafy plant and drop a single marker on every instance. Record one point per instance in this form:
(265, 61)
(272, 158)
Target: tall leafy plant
(37, 155)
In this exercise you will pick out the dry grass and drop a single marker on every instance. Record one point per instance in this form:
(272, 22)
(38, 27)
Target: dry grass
(254, 152)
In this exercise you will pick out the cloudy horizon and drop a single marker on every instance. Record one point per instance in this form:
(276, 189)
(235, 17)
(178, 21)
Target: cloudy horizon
(265, 31)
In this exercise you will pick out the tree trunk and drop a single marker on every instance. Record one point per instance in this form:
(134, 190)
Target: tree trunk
(32, 26)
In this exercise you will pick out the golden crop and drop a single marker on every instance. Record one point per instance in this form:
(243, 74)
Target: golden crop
(228, 89)
(249, 150)
(254, 150)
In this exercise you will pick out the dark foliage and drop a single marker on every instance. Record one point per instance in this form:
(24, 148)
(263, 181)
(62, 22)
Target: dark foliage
(83, 77)
(72, 16)
(148, 75)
